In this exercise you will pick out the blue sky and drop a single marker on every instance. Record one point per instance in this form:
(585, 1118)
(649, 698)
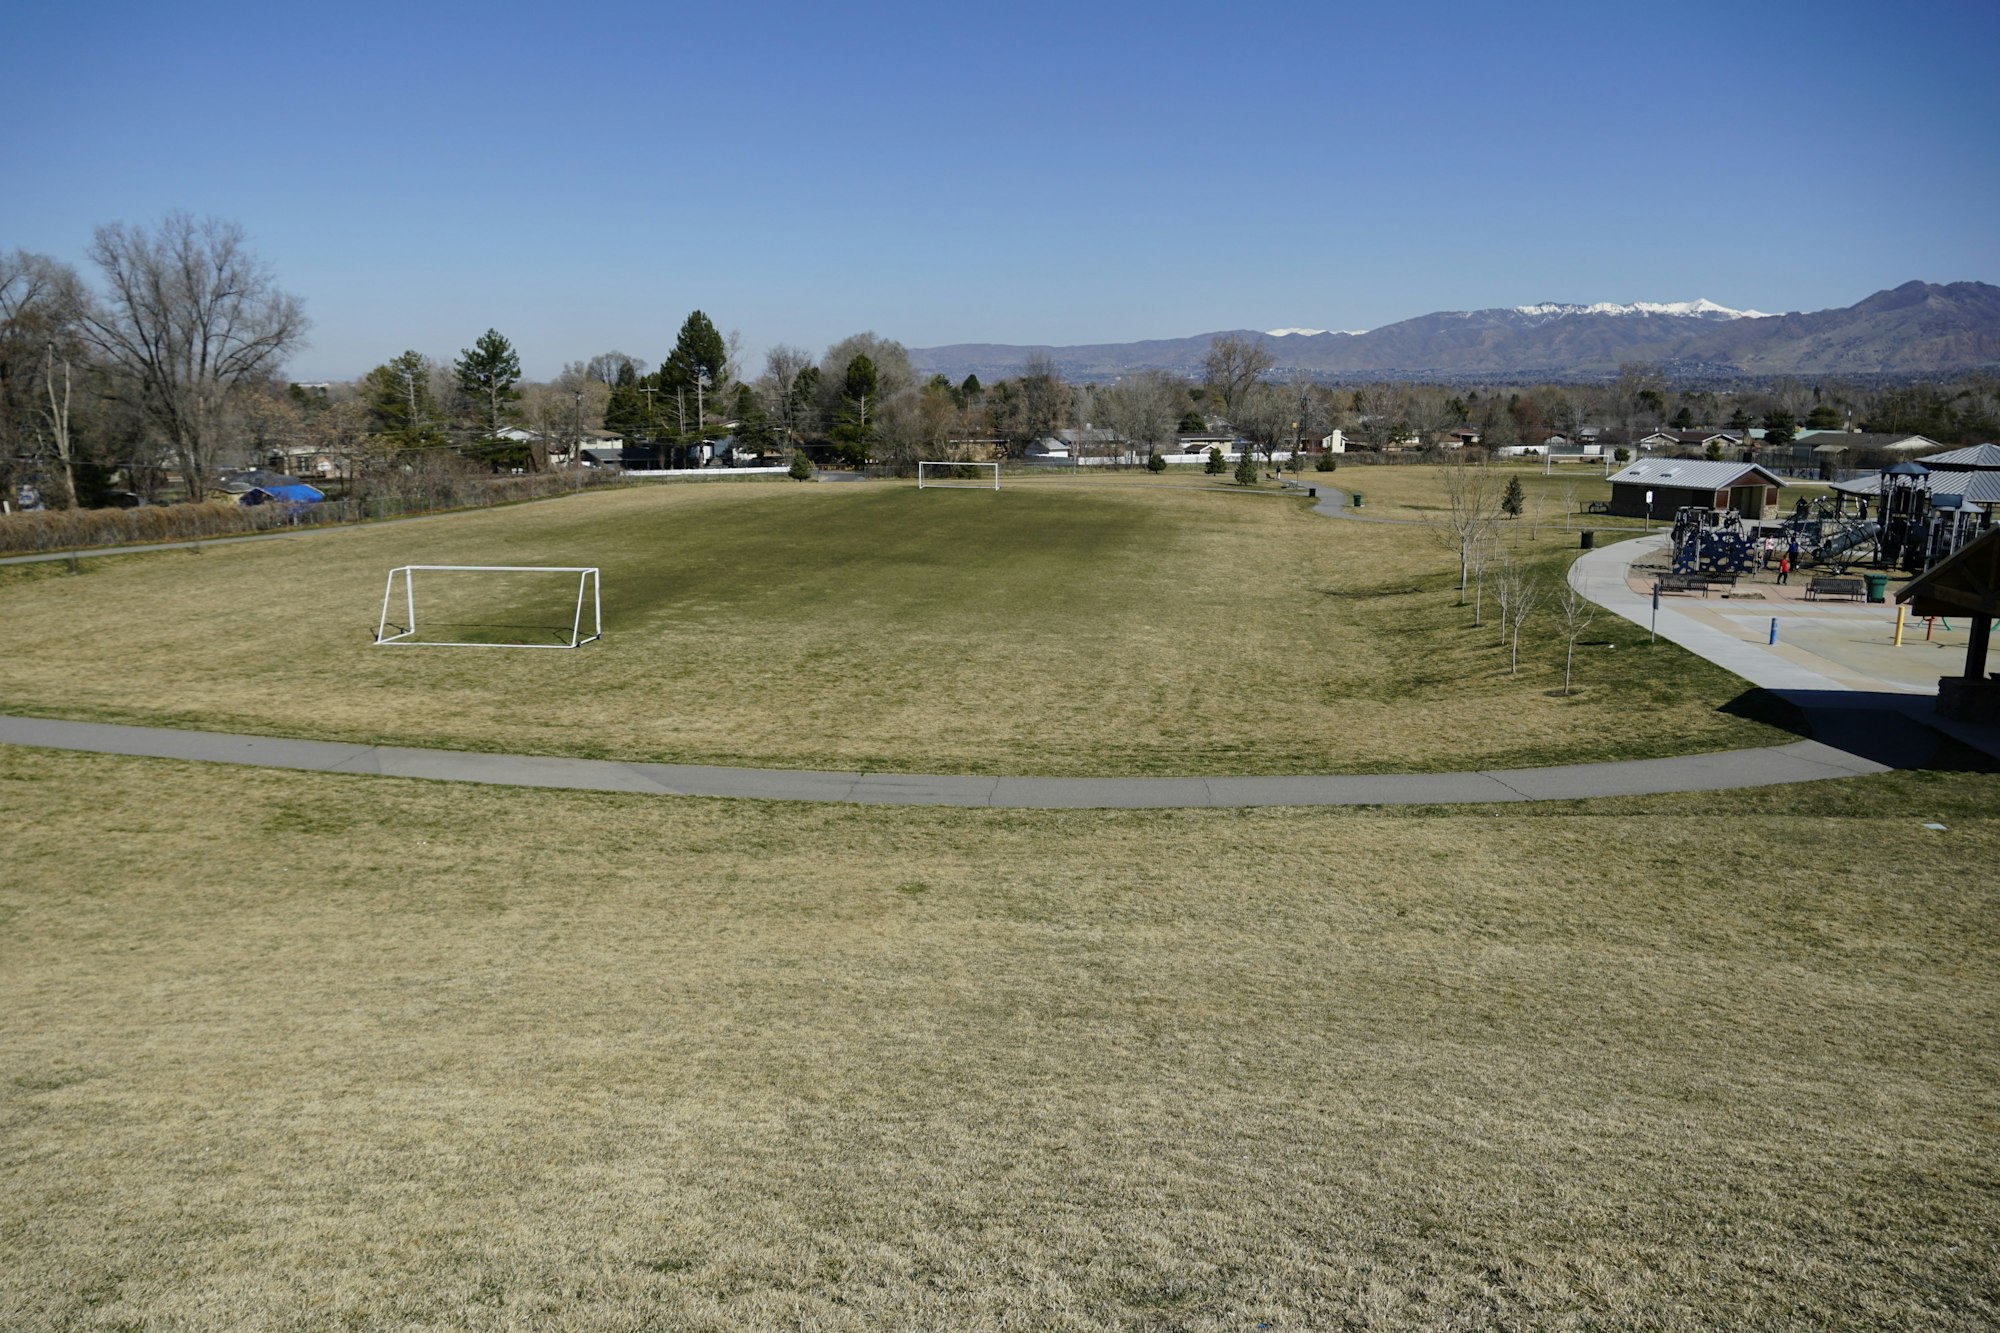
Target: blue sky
(582, 177)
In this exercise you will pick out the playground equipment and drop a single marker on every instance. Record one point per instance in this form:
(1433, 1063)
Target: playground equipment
(1712, 541)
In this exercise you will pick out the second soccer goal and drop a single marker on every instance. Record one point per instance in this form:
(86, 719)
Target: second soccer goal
(962, 476)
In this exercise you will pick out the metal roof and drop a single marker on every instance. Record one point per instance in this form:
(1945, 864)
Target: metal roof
(1692, 474)
(1972, 456)
(1982, 488)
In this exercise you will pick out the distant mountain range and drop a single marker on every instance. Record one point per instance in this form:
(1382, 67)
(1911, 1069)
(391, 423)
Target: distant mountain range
(1916, 329)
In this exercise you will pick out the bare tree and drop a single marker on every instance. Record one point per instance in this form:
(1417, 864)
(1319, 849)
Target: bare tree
(1430, 413)
(38, 347)
(1232, 365)
(1144, 408)
(784, 397)
(1044, 396)
(1477, 559)
(605, 366)
(1576, 612)
(1517, 593)
(1472, 498)
(189, 314)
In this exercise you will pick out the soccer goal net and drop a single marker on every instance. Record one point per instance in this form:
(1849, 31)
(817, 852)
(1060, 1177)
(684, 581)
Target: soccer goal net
(491, 606)
(975, 476)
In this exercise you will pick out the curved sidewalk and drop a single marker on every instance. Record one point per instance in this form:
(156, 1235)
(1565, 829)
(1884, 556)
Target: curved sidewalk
(1802, 761)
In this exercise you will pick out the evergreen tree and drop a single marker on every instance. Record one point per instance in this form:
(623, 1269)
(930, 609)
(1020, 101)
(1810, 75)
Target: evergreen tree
(971, 390)
(699, 351)
(401, 408)
(1217, 464)
(1778, 426)
(1683, 420)
(1193, 424)
(1246, 467)
(854, 423)
(487, 373)
(1514, 501)
(801, 468)
(1154, 462)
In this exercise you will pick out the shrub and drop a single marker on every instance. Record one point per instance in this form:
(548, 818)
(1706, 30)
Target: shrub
(1155, 463)
(1325, 462)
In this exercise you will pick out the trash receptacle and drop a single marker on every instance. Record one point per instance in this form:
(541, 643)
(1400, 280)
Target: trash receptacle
(1357, 499)
(1878, 587)
(1588, 540)
(1312, 492)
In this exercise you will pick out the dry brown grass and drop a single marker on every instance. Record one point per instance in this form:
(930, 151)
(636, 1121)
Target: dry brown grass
(1413, 491)
(1060, 629)
(304, 1051)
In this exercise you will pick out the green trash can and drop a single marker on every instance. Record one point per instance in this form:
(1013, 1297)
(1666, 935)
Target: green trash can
(1878, 587)
(1357, 499)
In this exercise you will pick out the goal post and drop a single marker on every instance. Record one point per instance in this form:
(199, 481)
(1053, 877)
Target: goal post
(548, 599)
(937, 475)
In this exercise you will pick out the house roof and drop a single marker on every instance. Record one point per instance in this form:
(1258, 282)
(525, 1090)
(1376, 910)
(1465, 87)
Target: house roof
(1966, 584)
(1859, 439)
(1695, 436)
(1693, 474)
(1975, 456)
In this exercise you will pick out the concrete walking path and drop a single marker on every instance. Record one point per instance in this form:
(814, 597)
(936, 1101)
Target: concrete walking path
(1801, 761)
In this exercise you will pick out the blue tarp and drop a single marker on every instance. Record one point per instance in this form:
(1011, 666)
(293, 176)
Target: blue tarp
(297, 493)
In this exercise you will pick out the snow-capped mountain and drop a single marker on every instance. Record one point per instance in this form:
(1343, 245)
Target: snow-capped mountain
(1918, 328)
(1313, 333)
(1696, 309)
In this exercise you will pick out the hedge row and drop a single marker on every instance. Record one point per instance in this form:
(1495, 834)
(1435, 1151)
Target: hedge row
(78, 529)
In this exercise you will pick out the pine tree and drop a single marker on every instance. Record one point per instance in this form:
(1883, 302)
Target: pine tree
(698, 352)
(1246, 467)
(487, 373)
(1216, 464)
(401, 409)
(1515, 500)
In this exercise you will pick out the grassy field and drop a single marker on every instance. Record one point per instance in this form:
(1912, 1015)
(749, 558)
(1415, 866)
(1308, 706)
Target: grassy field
(1557, 499)
(1102, 626)
(288, 1051)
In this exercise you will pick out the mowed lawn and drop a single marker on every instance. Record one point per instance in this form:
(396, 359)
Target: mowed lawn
(1557, 498)
(1043, 629)
(306, 1051)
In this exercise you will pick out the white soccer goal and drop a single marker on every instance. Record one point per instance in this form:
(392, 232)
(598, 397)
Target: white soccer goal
(494, 606)
(964, 476)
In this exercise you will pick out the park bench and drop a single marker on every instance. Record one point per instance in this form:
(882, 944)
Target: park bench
(1721, 578)
(1684, 583)
(1826, 587)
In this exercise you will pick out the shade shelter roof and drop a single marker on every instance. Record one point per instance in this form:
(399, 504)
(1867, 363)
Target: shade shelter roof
(1968, 584)
(1695, 474)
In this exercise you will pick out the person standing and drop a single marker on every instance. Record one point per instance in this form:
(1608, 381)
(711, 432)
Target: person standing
(1784, 567)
